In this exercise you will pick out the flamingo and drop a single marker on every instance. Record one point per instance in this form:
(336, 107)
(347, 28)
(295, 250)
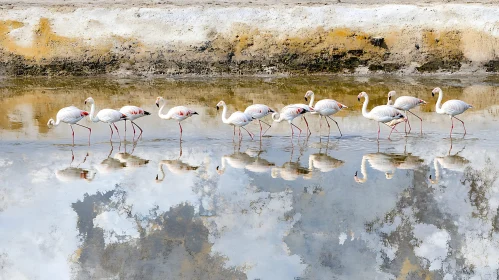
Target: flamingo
(70, 115)
(238, 119)
(387, 163)
(289, 113)
(307, 108)
(383, 113)
(109, 116)
(406, 103)
(178, 113)
(325, 108)
(132, 113)
(451, 107)
(177, 167)
(258, 111)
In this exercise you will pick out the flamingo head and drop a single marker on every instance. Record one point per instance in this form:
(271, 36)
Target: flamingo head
(220, 104)
(159, 100)
(220, 171)
(308, 94)
(435, 91)
(362, 94)
(422, 102)
(388, 175)
(89, 100)
(358, 180)
(390, 94)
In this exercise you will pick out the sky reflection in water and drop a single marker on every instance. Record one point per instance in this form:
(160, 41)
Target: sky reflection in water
(309, 208)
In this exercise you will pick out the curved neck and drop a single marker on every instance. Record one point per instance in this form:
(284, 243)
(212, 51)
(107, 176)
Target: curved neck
(363, 170)
(162, 173)
(312, 100)
(276, 117)
(92, 112)
(310, 163)
(52, 123)
(438, 107)
(224, 116)
(364, 107)
(160, 114)
(437, 172)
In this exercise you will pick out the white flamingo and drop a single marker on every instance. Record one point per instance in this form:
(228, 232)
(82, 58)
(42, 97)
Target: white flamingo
(289, 113)
(176, 167)
(451, 162)
(451, 107)
(178, 113)
(109, 116)
(406, 103)
(258, 111)
(325, 108)
(70, 115)
(383, 113)
(132, 113)
(238, 119)
(323, 162)
(387, 163)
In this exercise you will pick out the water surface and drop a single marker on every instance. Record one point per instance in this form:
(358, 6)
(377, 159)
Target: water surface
(279, 208)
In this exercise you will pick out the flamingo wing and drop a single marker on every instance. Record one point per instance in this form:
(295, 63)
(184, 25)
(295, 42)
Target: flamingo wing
(240, 119)
(258, 111)
(180, 113)
(385, 113)
(328, 107)
(109, 115)
(71, 114)
(455, 107)
(132, 112)
(407, 102)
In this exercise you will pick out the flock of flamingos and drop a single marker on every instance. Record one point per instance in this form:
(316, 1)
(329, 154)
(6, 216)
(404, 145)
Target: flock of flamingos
(391, 114)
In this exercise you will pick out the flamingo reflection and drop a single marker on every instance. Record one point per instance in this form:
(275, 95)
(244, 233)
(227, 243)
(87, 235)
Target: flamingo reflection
(75, 173)
(387, 163)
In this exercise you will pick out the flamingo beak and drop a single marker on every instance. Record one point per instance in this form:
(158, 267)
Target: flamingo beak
(157, 105)
(195, 113)
(218, 108)
(358, 98)
(432, 94)
(390, 97)
(85, 101)
(306, 99)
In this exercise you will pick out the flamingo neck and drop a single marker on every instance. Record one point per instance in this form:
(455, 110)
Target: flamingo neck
(224, 114)
(52, 123)
(311, 104)
(363, 170)
(160, 114)
(364, 107)
(162, 172)
(92, 112)
(310, 163)
(276, 117)
(438, 107)
(437, 171)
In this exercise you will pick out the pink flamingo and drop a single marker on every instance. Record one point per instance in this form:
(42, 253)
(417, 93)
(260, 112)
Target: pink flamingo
(178, 113)
(258, 111)
(239, 119)
(289, 113)
(132, 113)
(451, 107)
(325, 108)
(70, 115)
(406, 103)
(109, 116)
(383, 113)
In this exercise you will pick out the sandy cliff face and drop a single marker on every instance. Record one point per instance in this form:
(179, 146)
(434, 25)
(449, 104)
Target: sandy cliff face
(222, 38)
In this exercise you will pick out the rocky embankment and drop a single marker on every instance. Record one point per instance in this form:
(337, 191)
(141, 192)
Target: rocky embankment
(210, 38)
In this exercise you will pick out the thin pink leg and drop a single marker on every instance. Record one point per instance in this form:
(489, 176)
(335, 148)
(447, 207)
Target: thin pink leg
(249, 133)
(463, 126)
(117, 131)
(378, 132)
(308, 128)
(181, 130)
(452, 127)
(297, 128)
(391, 132)
(73, 133)
(408, 123)
(138, 128)
(420, 119)
(111, 138)
(261, 129)
(89, 131)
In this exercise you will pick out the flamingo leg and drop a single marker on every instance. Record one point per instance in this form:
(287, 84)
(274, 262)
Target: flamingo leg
(240, 135)
(408, 123)
(89, 131)
(138, 128)
(452, 127)
(73, 133)
(249, 133)
(260, 123)
(341, 134)
(117, 131)
(391, 131)
(296, 127)
(181, 130)
(308, 128)
(111, 138)
(267, 128)
(463, 125)
(378, 131)
(420, 119)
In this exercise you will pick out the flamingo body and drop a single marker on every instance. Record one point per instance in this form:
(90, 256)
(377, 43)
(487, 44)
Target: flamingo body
(178, 113)
(451, 107)
(70, 115)
(325, 108)
(132, 113)
(258, 111)
(237, 118)
(109, 116)
(289, 113)
(406, 103)
(381, 114)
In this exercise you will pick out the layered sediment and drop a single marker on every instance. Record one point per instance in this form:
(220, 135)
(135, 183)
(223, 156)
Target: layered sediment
(217, 38)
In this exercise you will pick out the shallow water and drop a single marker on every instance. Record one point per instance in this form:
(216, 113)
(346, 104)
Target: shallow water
(279, 208)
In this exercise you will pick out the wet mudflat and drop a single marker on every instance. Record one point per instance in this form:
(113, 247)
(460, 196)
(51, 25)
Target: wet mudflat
(279, 208)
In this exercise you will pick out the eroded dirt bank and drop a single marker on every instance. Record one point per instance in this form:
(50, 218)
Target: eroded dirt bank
(224, 38)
